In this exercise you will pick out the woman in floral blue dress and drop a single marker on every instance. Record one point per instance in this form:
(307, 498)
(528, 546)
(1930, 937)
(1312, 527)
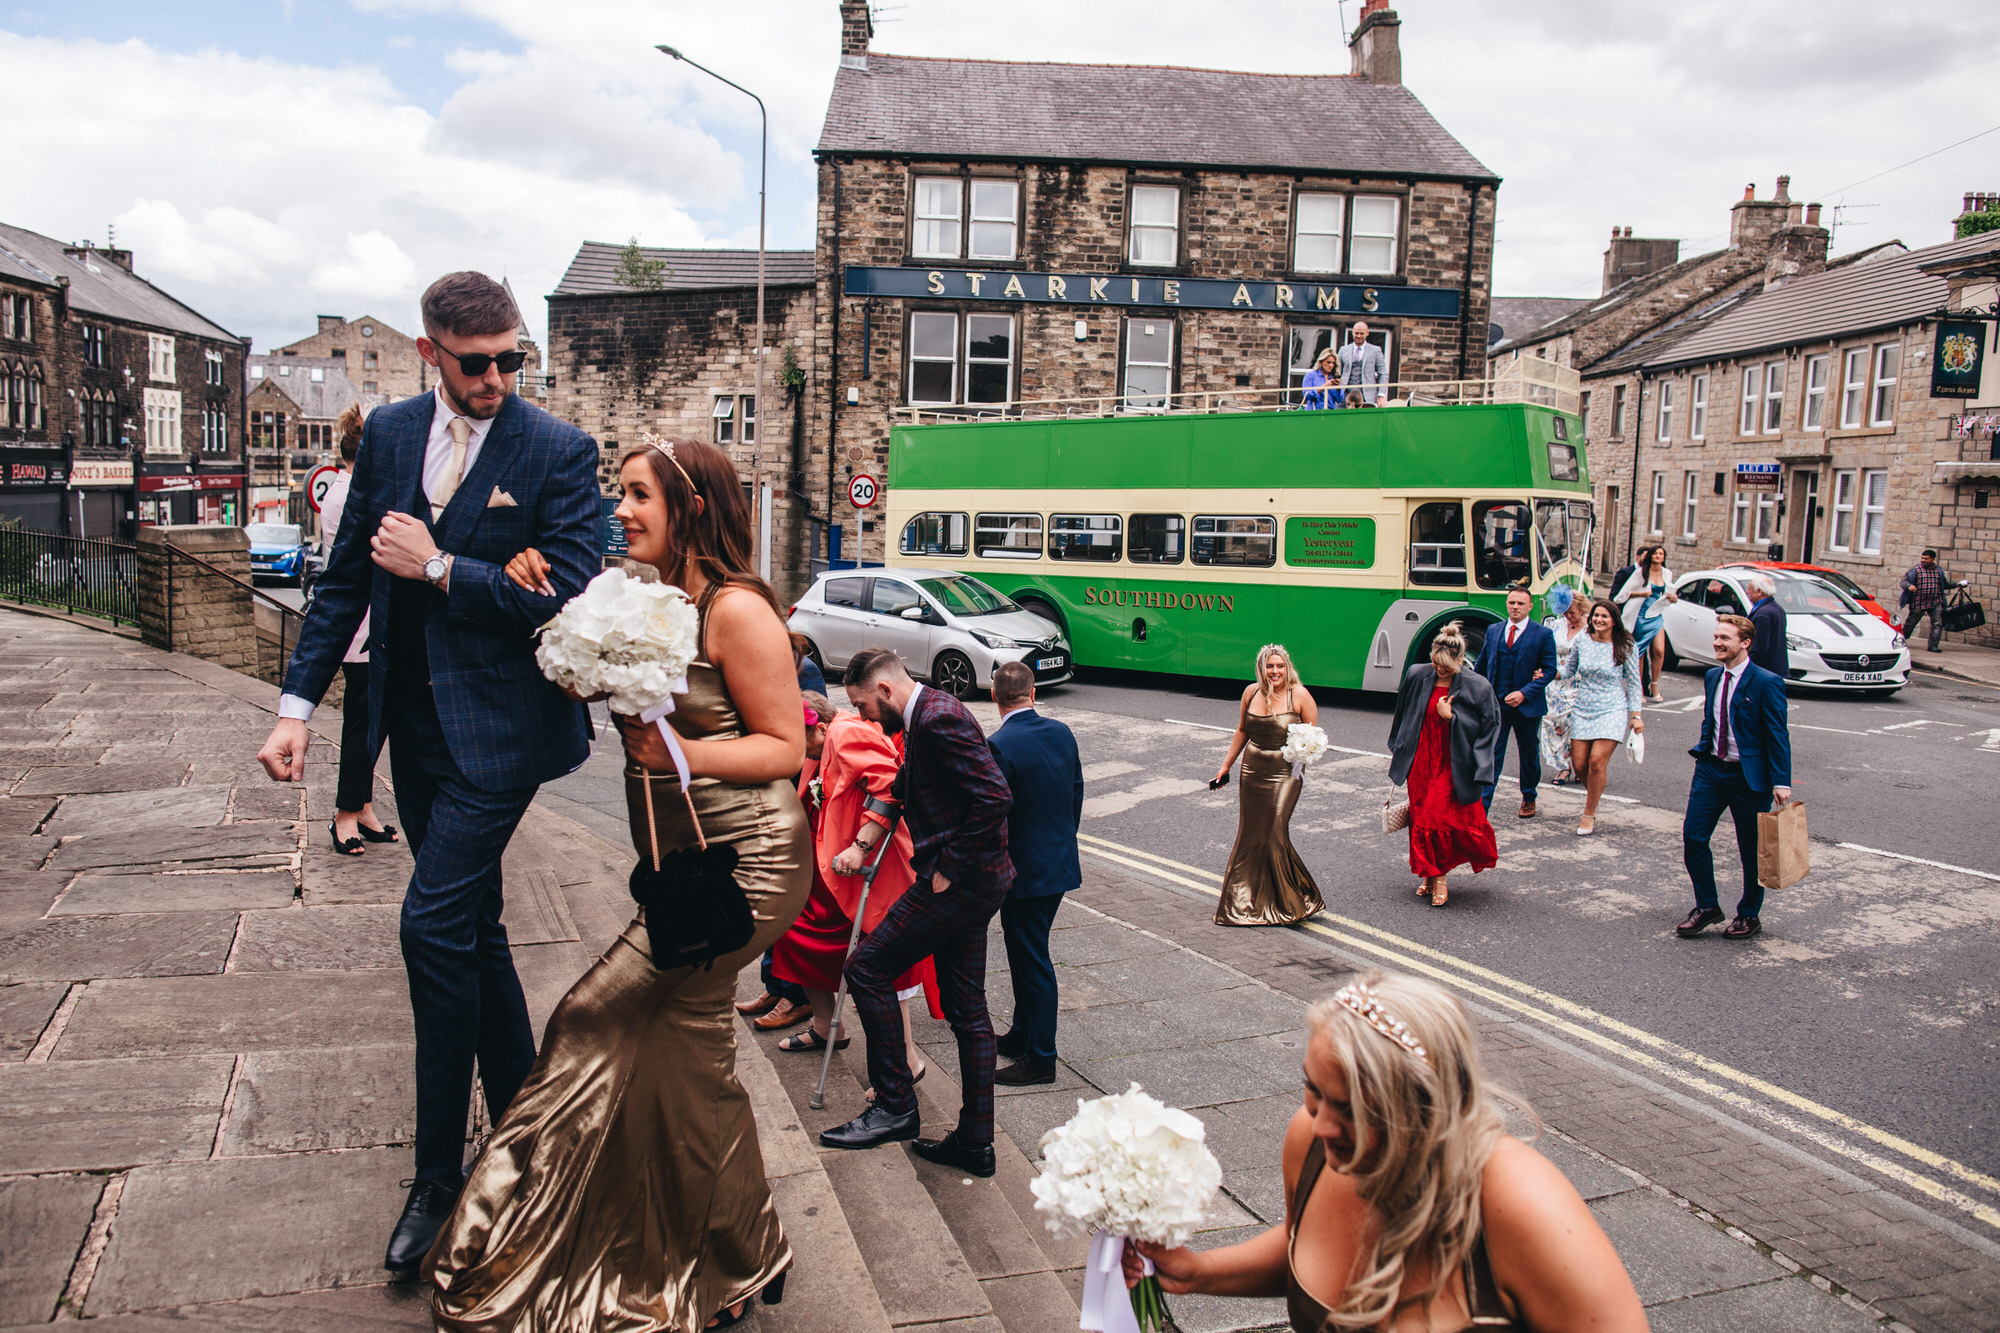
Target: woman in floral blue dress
(1605, 667)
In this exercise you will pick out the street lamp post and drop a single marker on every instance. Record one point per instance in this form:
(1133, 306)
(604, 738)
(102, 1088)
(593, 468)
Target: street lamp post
(757, 457)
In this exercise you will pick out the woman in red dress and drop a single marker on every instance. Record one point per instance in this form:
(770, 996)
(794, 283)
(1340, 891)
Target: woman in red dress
(1442, 743)
(848, 762)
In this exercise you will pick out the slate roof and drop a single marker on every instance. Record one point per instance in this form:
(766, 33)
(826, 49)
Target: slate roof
(322, 401)
(594, 270)
(1154, 115)
(1518, 314)
(1625, 291)
(99, 287)
(1852, 298)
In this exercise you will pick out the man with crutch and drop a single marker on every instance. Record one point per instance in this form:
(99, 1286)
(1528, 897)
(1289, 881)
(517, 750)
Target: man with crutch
(955, 802)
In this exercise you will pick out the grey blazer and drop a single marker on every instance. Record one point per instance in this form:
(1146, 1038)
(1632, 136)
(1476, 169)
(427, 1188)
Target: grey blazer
(1475, 729)
(1373, 369)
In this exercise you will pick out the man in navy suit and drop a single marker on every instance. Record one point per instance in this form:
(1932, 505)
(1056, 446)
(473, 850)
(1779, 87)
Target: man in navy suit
(1519, 661)
(1038, 757)
(956, 804)
(1743, 764)
(448, 486)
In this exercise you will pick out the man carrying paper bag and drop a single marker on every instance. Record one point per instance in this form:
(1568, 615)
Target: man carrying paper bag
(1743, 764)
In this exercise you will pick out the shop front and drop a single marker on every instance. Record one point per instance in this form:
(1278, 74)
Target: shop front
(101, 503)
(211, 498)
(31, 487)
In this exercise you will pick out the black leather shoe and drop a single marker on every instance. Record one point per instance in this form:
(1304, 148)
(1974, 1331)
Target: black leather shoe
(1012, 1046)
(1700, 919)
(1024, 1072)
(424, 1214)
(873, 1128)
(1743, 927)
(948, 1151)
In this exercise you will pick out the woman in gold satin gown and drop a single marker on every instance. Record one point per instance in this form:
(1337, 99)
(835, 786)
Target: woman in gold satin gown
(1266, 883)
(624, 1189)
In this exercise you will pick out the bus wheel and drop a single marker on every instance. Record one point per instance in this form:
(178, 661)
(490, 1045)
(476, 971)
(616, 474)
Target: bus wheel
(952, 673)
(1044, 610)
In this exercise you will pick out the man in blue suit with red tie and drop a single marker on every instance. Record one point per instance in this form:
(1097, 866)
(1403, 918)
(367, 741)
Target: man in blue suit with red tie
(1518, 661)
(1743, 765)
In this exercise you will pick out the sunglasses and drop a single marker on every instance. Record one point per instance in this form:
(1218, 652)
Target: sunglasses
(473, 365)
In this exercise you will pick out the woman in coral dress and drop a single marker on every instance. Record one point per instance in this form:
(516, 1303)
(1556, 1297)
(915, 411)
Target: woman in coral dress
(1442, 743)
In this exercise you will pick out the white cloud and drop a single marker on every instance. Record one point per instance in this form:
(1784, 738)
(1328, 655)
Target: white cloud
(373, 269)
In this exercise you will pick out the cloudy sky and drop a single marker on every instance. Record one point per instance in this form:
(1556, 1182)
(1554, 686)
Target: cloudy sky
(269, 160)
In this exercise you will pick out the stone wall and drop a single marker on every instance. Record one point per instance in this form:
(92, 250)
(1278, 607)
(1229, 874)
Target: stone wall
(185, 607)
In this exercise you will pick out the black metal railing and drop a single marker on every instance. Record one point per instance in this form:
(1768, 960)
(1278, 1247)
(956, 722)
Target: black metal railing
(183, 564)
(81, 576)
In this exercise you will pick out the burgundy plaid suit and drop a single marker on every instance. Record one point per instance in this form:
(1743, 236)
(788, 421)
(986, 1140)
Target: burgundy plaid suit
(956, 803)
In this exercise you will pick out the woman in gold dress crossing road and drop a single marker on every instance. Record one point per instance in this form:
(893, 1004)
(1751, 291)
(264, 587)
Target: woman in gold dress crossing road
(1266, 883)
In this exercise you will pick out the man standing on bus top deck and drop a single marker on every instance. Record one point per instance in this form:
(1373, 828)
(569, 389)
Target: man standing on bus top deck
(1518, 661)
(1363, 366)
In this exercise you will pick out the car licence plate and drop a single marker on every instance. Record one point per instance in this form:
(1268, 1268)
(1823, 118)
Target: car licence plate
(1048, 663)
(1860, 677)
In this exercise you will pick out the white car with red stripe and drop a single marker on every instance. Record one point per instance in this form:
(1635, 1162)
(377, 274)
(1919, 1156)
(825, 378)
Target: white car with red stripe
(1834, 642)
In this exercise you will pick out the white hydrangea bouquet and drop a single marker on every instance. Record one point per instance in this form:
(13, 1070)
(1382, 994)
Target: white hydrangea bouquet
(1303, 745)
(1125, 1167)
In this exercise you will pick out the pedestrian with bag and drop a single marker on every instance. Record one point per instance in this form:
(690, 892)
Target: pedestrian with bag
(1743, 765)
(1923, 593)
(1519, 660)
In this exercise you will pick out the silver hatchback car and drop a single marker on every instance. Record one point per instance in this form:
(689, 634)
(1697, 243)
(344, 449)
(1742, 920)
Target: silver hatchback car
(949, 628)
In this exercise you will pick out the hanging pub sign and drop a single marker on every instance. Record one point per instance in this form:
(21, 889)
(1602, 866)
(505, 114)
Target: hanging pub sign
(1957, 359)
(1757, 476)
(1123, 289)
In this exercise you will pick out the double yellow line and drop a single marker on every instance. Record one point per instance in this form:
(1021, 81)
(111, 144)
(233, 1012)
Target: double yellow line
(1655, 1054)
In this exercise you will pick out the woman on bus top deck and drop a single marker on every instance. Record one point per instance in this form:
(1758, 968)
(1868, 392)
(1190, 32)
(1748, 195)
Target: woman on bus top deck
(1266, 883)
(1320, 381)
(1442, 743)
(1605, 667)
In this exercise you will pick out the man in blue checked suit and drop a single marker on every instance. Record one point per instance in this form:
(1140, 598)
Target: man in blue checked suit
(1518, 661)
(1039, 760)
(1743, 764)
(449, 486)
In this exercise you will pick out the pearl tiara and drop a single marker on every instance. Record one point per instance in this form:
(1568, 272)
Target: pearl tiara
(667, 447)
(1362, 1001)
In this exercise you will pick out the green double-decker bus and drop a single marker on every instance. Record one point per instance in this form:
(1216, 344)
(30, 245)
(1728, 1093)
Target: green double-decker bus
(1182, 542)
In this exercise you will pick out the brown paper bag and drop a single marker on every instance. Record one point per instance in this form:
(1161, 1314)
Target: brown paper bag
(1783, 853)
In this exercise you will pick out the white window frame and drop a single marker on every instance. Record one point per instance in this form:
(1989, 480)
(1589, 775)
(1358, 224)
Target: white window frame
(1853, 387)
(1844, 492)
(1882, 384)
(1753, 396)
(1618, 411)
(1318, 233)
(910, 367)
(1656, 515)
(983, 217)
(1698, 408)
(1666, 429)
(214, 431)
(163, 423)
(1392, 237)
(1143, 401)
(1874, 510)
(160, 357)
(1739, 516)
(1136, 230)
(730, 428)
(1583, 412)
(920, 217)
(1690, 500)
(1013, 333)
(1767, 516)
(212, 367)
(1774, 397)
(1812, 415)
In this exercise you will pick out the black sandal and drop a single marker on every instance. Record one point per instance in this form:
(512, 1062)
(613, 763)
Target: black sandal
(773, 1293)
(387, 833)
(352, 847)
(810, 1040)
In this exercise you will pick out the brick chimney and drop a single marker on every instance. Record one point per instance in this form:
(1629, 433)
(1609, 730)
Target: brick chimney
(1627, 258)
(856, 28)
(1976, 201)
(1753, 221)
(1799, 247)
(1375, 45)
(331, 323)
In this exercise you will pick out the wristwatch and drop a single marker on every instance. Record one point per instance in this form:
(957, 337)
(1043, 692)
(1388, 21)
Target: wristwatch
(436, 569)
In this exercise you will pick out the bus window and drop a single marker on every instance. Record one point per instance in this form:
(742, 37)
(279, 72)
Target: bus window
(1552, 525)
(1502, 527)
(934, 534)
(1007, 536)
(1437, 545)
(1231, 540)
(1085, 536)
(1581, 518)
(1158, 539)
(846, 592)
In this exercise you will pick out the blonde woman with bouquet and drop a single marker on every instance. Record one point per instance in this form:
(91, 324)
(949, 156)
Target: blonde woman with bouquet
(1266, 883)
(1407, 1205)
(624, 1187)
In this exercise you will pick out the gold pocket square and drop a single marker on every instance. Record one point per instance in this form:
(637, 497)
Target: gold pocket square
(500, 500)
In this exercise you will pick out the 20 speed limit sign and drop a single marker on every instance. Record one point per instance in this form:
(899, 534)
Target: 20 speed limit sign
(317, 483)
(862, 490)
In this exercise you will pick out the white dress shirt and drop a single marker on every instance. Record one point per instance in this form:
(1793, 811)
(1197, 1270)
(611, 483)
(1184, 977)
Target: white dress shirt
(1731, 682)
(437, 461)
(910, 708)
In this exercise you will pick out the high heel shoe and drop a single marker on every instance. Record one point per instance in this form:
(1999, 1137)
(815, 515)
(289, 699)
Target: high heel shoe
(352, 847)
(387, 833)
(1586, 826)
(1440, 893)
(772, 1294)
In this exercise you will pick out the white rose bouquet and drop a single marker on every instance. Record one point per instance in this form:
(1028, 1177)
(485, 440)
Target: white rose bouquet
(1303, 745)
(630, 640)
(1125, 1167)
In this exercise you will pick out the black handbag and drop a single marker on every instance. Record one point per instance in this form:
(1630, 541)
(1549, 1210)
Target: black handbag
(1961, 613)
(695, 910)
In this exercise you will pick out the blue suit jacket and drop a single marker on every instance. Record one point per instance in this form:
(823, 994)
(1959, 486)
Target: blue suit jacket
(506, 725)
(1759, 717)
(1768, 649)
(1534, 650)
(1038, 756)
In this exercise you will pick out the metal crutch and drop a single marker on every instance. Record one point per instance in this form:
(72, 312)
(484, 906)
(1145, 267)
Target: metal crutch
(818, 1101)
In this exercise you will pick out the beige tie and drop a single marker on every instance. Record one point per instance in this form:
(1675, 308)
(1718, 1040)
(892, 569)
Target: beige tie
(461, 433)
